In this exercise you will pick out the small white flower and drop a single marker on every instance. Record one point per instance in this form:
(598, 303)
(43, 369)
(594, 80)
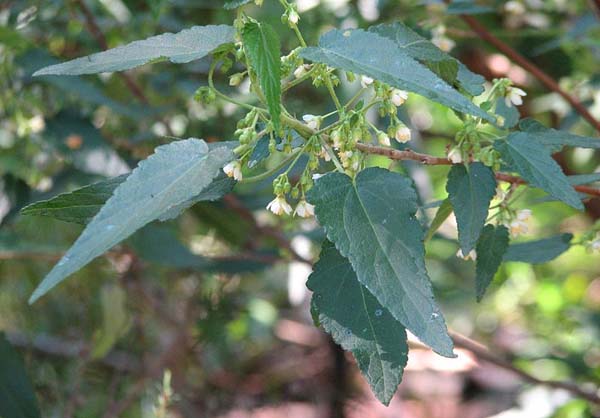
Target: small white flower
(514, 7)
(312, 121)
(500, 194)
(365, 81)
(518, 228)
(293, 17)
(455, 156)
(234, 169)
(471, 256)
(524, 215)
(317, 176)
(279, 206)
(236, 79)
(304, 209)
(402, 134)
(514, 96)
(399, 97)
(37, 124)
(383, 139)
(301, 70)
(444, 43)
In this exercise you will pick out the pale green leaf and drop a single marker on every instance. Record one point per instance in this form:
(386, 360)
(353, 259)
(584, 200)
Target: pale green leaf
(535, 164)
(174, 174)
(354, 51)
(441, 215)
(490, 248)
(372, 222)
(185, 46)
(358, 322)
(539, 251)
(421, 49)
(470, 190)
(17, 399)
(262, 47)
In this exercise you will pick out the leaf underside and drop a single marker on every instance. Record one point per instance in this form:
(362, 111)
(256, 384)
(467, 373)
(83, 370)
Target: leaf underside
(372, 222)
(354, 51)
(171, 177)
(185, 46)
(358, 322)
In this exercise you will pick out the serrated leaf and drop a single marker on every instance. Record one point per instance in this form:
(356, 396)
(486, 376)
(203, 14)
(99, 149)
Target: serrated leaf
(81, 205)
(470, 190)
(185, 46)
(353, 51)
(441, 215)
(358, 322)
(467, 7)
(372, 222)
(510, 114)
(262, 47)
(553, 139)
(17, 399)
(581, 179)
(173, 175)
(424, 51)
(539, 251)
(234, 4)
(535, 164)
(491, 246)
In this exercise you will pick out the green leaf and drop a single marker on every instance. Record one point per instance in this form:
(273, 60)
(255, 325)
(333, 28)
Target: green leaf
(260, 152)
(539, 251)
(185, 46)
(424, 51)
(17, 399)
(81, 205)
(490, 248)
(372, 222)
(581, 179)
(470, 190)
(262, 47)
(535, 164)
(555, 140)
(354, 51)
(78, 206)
(441, 215)
(172, 176)
(510, 114)
(467, 7)
(115, 320)
(234, 4)
(358, 322)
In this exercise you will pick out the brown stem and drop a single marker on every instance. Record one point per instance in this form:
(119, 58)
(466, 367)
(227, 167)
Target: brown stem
(533, 69)
(482, 353)
(395, 154)
(97, 33)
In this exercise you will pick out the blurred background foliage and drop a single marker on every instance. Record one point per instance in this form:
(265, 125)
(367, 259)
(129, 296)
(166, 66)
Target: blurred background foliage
(207, 316)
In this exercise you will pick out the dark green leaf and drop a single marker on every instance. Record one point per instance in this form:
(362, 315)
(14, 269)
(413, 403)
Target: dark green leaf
(185, 46)
(354, 51)
(358, 322)
(535, 164)
(262, 48)
(234, 4)
(490, 248)
(17, 399)
(172, 176)
(421, 49)
(470, 190)
(580, 179)
(81, 205)
(510, 114)
(371, 221)
(555, 140)
(260, 152)
(441, 215)
(539, 251)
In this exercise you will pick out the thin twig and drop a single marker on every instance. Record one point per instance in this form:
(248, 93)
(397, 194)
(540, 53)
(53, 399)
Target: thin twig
(483, 353)
(533, 69)
(395, 154)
